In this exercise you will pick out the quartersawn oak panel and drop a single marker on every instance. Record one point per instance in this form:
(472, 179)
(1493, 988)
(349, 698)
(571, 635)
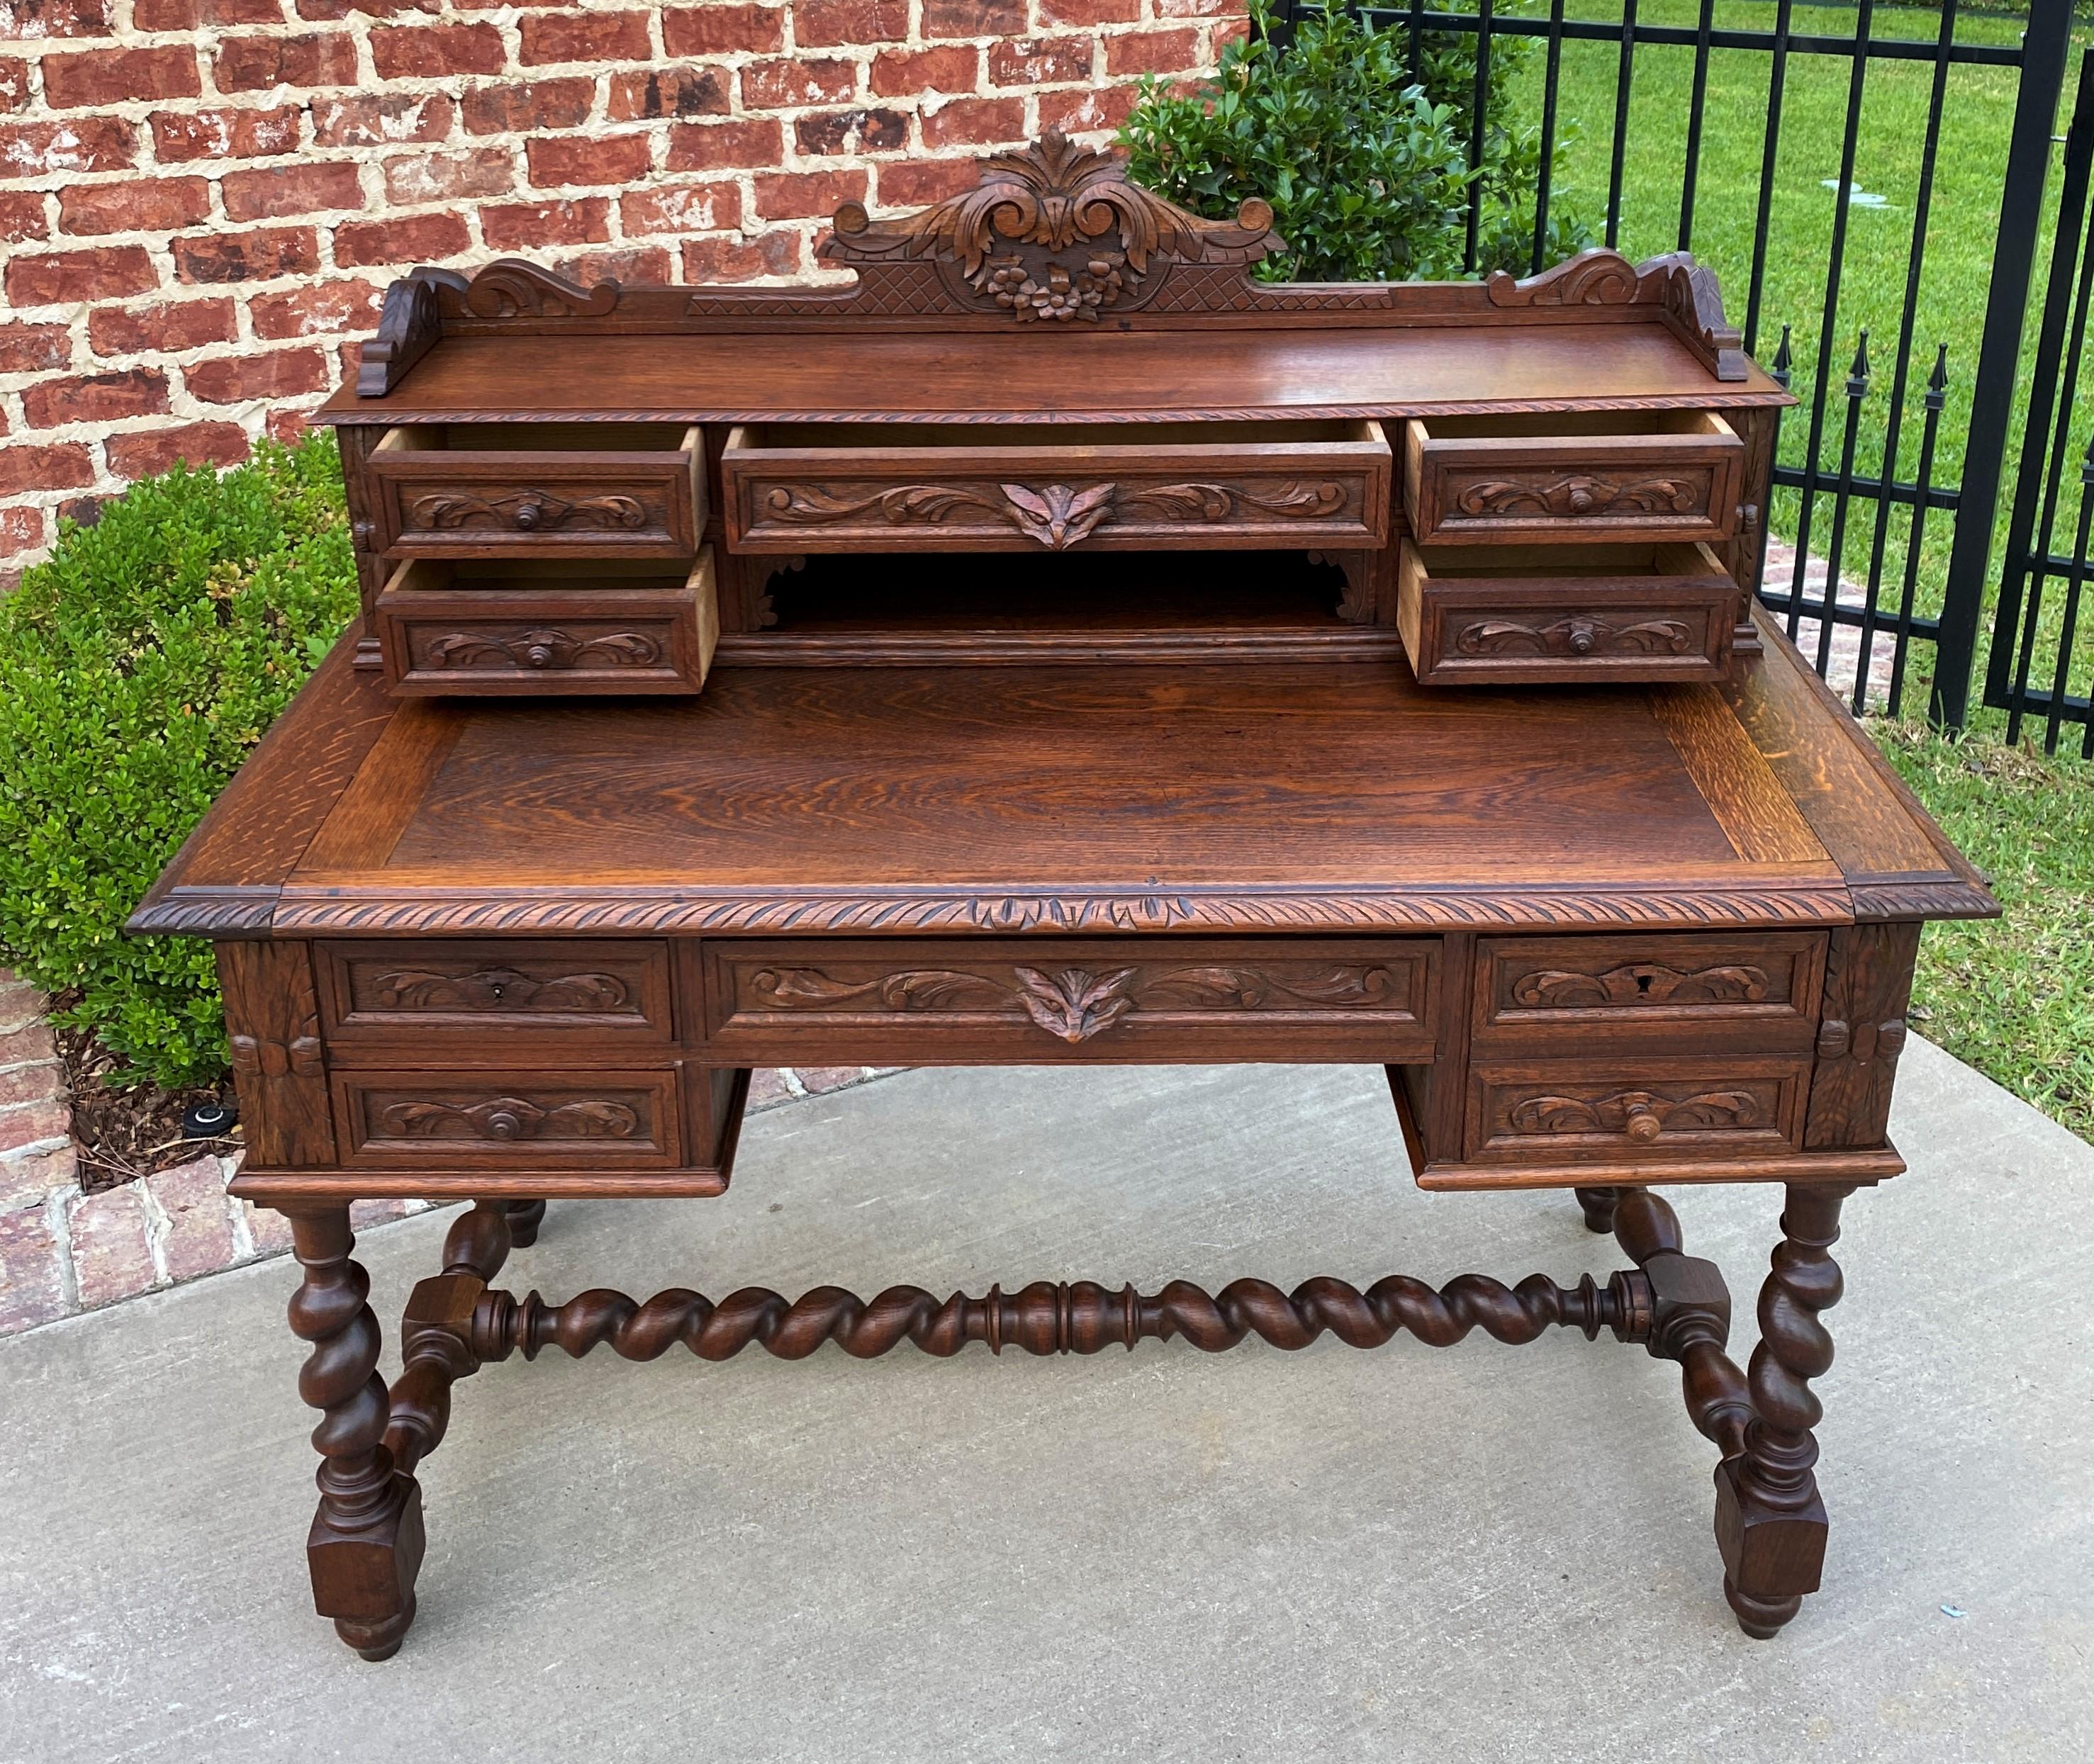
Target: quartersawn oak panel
(1069, 999)
(1346, 774)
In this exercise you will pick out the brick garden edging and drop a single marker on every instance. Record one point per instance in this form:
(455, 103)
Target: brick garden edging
(63, 1252)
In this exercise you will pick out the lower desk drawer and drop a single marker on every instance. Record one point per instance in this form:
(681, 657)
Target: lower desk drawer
(500, 1120)
(1037, 1000)
(1666, 1111)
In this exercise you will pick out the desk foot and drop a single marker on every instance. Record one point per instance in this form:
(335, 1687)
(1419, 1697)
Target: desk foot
(365, 1547)
(1770, 1524)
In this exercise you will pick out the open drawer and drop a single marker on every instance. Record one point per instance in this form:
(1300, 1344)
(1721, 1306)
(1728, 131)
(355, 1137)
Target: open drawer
(802, 487)
(540, 489)
(1497, 616)
(483, 630)
(1606, 475)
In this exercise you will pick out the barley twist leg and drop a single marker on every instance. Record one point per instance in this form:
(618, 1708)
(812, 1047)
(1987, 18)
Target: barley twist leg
(366, 1543)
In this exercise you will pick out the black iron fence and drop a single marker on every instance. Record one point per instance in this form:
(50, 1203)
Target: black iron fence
(1891, 483)
(2028, 674)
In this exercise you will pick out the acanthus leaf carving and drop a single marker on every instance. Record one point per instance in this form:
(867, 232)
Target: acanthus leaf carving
(1642, 1115)
(1685, 289)
(1057, 515)
(1054, 232)
(1583, 494)
(510, 287)
(506, 1118)
(1643, 983)
(545, 649)
(492, 989)
(1580, 634)
(1076, 1003)
(526, 510)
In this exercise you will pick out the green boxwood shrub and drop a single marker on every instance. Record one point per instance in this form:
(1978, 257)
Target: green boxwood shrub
(1363, 158)
(137, 667)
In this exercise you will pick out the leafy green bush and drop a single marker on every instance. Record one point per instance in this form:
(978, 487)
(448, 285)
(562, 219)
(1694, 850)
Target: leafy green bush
(137, 667)
(1363, 158)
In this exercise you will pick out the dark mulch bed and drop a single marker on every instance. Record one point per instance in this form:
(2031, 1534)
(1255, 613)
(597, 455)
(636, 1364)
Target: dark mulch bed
(125, 1131)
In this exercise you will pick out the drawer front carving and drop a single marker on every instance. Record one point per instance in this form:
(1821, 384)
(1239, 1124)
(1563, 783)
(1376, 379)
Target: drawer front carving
(473, 990)
(1529, 489)
(1674, 621)
(1760, 992)
(1057, 999)
(551, 640)
(997, 496)
(1560, 1111)
(475, 501)
(509, 1120)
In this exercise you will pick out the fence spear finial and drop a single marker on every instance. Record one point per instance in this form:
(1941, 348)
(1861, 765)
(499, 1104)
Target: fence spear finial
(1858, 375)
(1937, 385)
(1784, 359)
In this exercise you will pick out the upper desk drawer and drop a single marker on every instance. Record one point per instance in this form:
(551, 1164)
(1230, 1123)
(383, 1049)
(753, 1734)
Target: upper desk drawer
(1603, 475)
(913, 487)
(549, 489)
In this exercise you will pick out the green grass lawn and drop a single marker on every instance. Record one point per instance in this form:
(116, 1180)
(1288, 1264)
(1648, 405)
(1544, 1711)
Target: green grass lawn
(2013, 996)
(1962, 231)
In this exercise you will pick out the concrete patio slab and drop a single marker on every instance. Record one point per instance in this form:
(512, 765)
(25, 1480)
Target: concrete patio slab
(1481, 1553)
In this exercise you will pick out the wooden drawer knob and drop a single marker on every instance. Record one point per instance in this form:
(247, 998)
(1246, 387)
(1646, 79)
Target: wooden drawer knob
(504, 1124)
(1583, 637)
(1644, 1124)
(528, 515)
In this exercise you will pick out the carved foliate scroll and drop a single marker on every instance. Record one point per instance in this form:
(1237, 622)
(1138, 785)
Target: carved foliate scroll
(1685, 289)
(1054, 233)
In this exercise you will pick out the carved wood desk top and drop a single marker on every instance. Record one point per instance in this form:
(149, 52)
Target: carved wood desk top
(1318, 797)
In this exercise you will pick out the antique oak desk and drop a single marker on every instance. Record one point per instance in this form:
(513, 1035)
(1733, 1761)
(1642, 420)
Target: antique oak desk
(1058, 645)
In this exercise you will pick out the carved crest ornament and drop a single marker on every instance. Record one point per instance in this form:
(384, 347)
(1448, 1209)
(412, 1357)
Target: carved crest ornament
(1052, 235)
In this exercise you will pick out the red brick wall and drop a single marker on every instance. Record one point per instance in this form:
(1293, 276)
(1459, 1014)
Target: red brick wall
(201, 201)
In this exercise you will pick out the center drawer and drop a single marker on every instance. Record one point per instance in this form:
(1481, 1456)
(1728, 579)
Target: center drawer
(800, 487)
(542, 489)
(1037, 1001)
(1596, 475)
